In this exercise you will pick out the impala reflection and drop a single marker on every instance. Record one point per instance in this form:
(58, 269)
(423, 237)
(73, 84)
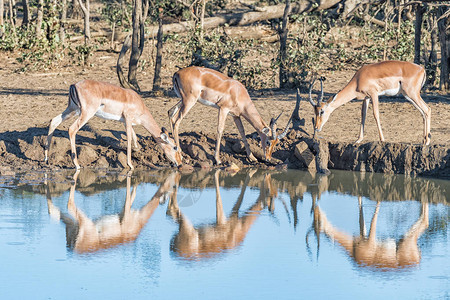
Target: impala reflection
(85, 235)
(368, 251)
(209, 240)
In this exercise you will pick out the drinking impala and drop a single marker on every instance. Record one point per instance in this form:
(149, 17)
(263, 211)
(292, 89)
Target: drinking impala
(384, 78)
(89, 98)
(214, 89)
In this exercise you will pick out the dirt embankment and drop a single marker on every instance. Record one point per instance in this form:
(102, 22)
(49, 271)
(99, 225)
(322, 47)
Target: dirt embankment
(24, 150)
(29, 101)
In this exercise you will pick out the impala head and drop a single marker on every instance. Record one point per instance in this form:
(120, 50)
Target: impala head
(321, 108)
(170, 149)
(269, 138)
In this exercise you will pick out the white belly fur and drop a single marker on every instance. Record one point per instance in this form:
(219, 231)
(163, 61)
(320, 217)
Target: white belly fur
(104, 115)
(207, 103)
(390, 92)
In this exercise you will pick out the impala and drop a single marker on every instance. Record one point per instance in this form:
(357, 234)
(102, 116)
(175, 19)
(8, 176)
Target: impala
(85, 235)
(207, 240)
(89, 98)
(368, 251)
(214, 89)
(384, 78)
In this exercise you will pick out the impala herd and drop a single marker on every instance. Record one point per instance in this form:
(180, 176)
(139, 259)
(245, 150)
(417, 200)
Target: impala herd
(89, 98)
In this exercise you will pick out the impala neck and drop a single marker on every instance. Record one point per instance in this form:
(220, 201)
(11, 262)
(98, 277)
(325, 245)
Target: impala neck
(347, 94)
(150, 124)
(252, 116)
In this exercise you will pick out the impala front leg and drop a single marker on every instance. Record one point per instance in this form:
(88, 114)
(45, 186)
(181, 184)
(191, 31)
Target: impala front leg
(223, 112)
(238, 122)
(363, 119)
(376, 114)
(129, 138)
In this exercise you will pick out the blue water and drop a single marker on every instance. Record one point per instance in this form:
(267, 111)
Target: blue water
(268, 249)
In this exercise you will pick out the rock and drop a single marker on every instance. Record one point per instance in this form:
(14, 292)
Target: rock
(2, 146)
(233, 168)
(238, 147)
(205, 165)
(196, 152)
(102, 162)
(6, 171)
(59, 152)
(122, 159)
(322, 157)
(305, 155)
(86, 155)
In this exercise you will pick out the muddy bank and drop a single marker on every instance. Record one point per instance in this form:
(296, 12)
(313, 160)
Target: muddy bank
(392, 158)
(23, 150)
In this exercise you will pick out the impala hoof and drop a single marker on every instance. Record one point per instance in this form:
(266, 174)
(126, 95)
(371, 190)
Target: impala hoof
(252, 158)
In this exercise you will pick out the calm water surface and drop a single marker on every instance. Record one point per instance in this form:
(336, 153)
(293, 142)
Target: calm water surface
(213, 235)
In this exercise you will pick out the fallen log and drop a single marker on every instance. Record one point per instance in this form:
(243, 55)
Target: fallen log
(239, 19)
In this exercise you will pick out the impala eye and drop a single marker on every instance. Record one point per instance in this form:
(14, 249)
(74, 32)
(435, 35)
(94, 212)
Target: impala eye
(321, 112)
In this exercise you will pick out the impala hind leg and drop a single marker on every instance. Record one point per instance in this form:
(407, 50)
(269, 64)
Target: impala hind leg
(73, 129)
(425, 111)
(172, 112)
(238, 122)
(178, 114)
(376, 114)
(364, 107)
(67, 113)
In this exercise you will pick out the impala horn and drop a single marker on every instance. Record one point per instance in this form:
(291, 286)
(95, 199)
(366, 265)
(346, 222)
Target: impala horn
(320, 98)
(273, 126)
(310, 94)
(275, 137)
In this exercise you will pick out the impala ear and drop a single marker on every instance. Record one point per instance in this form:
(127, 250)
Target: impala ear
(165, 137)
(266, 130)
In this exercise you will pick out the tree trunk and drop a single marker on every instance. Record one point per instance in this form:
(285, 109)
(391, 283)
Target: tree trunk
(283, 75)
(125, 47)
(158, 62)
(26, 13)
(12, 18)
(202, 21)
(63, 20)
(2, 12)
(86, 13)
(418, 32)
(444, 38)
(431, 64)
(135, 41)
(40, 16)
(135, 55)
(75, 13)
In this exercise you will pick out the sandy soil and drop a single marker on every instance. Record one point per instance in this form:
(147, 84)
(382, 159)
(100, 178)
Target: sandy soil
(31, 100)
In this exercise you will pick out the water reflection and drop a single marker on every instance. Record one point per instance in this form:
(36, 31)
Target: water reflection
(208, 240)
(171, 235)
(196, 240)
(368, 251)
(86, 235)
